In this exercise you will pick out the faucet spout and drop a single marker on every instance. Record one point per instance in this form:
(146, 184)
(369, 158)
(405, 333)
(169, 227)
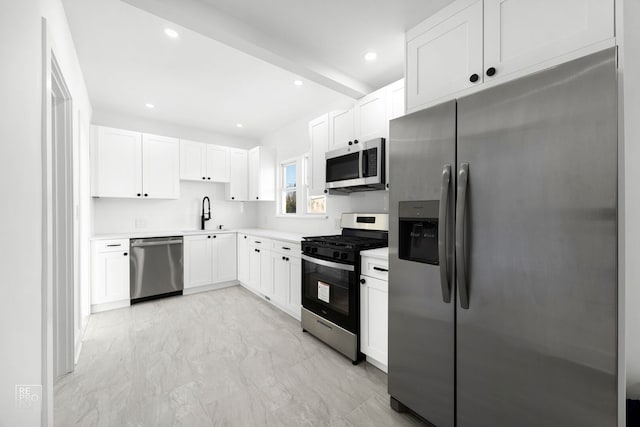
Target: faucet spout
(205, 216)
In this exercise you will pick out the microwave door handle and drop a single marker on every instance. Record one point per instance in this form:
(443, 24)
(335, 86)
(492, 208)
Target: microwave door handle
(365, 164)
(360, 165)
(442, 233)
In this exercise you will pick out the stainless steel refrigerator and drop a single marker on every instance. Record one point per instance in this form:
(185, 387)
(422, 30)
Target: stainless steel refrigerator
(503, 253)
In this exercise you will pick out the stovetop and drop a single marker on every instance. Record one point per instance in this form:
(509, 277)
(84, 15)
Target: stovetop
(347, 242)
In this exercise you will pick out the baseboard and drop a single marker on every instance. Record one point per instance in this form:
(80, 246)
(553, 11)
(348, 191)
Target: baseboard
(296, 316)
(97, 308)
(213, 287)
(378, 365)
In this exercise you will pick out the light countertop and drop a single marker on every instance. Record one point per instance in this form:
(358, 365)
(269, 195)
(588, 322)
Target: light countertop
(380, 253)
(261, 232)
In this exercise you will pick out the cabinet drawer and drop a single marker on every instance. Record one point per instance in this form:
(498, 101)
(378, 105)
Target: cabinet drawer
(115, 245)
(259, 242)
(286, 248)
(375, 267)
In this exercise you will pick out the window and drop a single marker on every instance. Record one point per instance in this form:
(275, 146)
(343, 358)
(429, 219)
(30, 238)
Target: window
(294, 190)
(290, 193)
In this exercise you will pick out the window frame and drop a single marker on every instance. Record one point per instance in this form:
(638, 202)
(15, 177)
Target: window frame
(303, 198)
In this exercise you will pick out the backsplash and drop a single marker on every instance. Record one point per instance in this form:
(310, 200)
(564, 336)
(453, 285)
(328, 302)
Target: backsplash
(126, 215)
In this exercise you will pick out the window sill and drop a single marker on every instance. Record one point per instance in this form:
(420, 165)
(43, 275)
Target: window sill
(318, 216)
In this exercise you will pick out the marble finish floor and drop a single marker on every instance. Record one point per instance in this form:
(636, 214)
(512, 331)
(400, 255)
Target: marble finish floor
(219, 358)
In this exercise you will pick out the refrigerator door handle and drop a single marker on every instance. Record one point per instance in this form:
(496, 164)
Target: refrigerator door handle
(463, 178)
(442, 233)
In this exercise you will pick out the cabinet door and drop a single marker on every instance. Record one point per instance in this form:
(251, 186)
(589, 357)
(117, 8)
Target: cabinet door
(243, 259)
(254, 268)
(522, 33)
(266, 274)
(341, 128)
(295, 286)
(117, 163)
(319, 138)
(443, 53)
(280, 278)
(238, 186)
(395, 100)
(160, 167)
(224, 257)
(192, 161)
(198, 269)
(110, 277)
(374, 312)
(254, 174)
(371, 116)
(217, 163)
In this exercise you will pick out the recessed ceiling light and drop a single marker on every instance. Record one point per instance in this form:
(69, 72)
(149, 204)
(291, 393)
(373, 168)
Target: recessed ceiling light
(238, 125)
(171, 33)
(149, 105)
(297, 82)
(370, 56)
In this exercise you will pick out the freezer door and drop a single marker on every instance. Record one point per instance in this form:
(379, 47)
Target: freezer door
(421, 279)
(536, 253)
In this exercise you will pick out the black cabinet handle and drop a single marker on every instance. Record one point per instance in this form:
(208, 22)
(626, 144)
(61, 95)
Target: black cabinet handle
(380, 269)
(258, 242)
(245, 237)
(208, 177)
(287, 258)
(283, 258)
(208, 237)
(491, 71)
(474, 78)
(204, 177)
(257, 250)
(233, 198)
(125, 254)
(363, 281)
(355, 141)
(286, 248)
(256, 197)
(146, 195)
(326, 191)
(139, 194)
(350, 142)
(214, 236)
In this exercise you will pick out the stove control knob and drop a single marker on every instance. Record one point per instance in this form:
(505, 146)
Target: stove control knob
(314, 250)
(336, 254)
(344, 256)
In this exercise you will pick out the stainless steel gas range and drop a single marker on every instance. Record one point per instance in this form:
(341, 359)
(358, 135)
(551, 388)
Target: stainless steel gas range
(330, 287)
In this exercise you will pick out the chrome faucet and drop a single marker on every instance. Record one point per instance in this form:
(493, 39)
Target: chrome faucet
(205, 216)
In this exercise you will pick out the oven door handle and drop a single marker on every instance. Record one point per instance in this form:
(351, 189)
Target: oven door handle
(345, 267)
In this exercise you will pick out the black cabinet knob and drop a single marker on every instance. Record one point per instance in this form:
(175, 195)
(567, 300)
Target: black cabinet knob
(125, 254)
(214, 236)
(204, 177)
(209, 178)
(256, 197)
(146, 195)
(355, 141)
(287, 259)
(491, 71)
(350, 142)
(233, 198)
(139, 194)
(474, 78)
(257, 250)
(363, 281)
(245, 237)
(326, 191)
(283, 258)
(208, 237)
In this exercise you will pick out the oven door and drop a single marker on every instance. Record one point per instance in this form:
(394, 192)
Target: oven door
(330, 290)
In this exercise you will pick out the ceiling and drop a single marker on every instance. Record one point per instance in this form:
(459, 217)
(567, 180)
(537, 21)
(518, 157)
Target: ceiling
(235, 60)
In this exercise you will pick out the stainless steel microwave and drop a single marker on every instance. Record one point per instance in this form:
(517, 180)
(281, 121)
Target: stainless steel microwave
(357, 167)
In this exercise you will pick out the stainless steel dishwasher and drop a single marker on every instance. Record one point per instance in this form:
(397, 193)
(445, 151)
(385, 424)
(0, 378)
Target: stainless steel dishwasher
(156, 268)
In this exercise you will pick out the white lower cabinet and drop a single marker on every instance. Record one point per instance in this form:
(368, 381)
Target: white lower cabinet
(272, 269)
(374, 309)
(209, 259)
(110, 274)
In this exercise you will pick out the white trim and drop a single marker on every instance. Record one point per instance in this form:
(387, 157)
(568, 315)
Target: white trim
(98, 308)
(213, 287)
(377, 364)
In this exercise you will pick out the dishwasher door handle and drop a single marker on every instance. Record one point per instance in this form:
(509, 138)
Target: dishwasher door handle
(159, 243)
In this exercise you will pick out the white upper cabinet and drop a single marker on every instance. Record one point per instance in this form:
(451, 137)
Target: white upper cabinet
(217, 163)
(319, 138)
(160, 167)
(371, 116)
(341, 128)
(133, 165)
(522, 33)
(444, 53)
(238, 187)
(262, 174)
(395, 100)
(471, 43)
(116, 162)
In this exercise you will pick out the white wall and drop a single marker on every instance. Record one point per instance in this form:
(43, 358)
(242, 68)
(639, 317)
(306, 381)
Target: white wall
(120, 215)
(21, 320)
(292, 141)
(630, 66)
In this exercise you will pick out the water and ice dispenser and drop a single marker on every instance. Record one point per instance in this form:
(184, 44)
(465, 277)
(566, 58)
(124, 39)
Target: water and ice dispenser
(418, 237)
